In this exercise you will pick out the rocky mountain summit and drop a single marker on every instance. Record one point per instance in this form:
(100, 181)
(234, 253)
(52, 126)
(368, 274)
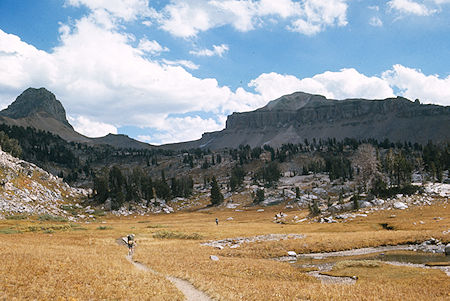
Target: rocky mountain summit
(36, 101)
(39, 109)
(299, 116)
(29, 190)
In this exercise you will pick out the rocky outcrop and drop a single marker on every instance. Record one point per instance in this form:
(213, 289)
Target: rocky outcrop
(29, 190)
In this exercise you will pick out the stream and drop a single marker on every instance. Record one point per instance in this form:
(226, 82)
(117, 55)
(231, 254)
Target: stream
(401, 255)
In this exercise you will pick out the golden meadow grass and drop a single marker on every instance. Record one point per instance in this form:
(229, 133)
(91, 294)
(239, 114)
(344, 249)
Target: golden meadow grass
(83, 261)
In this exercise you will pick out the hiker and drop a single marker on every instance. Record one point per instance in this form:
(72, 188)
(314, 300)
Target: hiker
(217, 221)
(131, 244)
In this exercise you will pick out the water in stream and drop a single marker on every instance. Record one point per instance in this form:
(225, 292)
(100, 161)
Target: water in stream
(406, 257)
(413, 258)
(389, 256)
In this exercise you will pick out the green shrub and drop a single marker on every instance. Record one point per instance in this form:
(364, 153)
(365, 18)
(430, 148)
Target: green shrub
(79, 229)
(17, 217)
(156, 226)
(48, 217)
(33, 228)
(69, 209)
(104, 228)
(99, 212)
(76, 227)
(9, 231)
(176, 235)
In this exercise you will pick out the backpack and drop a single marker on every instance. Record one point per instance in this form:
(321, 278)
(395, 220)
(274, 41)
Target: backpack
(130, 239)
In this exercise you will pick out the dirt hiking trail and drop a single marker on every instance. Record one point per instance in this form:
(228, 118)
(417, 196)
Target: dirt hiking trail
(189, 291)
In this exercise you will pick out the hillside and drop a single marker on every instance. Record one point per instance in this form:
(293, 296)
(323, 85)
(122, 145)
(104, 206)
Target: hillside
(26, 189)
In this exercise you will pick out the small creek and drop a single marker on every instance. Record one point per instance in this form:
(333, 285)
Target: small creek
(395, 255)
(408, 257)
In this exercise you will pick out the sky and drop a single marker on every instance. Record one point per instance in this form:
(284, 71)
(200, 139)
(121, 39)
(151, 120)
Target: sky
(168, 71)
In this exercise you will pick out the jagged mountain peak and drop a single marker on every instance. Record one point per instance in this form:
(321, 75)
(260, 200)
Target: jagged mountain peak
(33, 101)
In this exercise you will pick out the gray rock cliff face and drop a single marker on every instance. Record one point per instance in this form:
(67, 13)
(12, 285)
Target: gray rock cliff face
(293, 118)
(33, 101)
(298, 110)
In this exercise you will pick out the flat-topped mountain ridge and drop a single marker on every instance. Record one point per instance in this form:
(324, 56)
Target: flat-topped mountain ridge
(301, 109)
(299, 116)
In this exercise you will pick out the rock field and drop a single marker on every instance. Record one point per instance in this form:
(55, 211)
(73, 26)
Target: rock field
(29, 190)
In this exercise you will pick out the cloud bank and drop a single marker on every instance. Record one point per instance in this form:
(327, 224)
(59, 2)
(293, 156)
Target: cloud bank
(107, 79)
(187, 18)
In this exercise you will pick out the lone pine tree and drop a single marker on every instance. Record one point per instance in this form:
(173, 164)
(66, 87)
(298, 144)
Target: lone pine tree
(216, 195)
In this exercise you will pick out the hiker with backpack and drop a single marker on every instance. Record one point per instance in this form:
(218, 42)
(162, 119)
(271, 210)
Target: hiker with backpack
(131, 243)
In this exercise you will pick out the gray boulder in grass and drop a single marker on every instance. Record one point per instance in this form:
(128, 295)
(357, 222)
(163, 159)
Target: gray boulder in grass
(447, 249)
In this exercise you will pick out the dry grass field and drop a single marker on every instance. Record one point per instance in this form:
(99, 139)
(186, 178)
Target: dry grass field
(49, 260)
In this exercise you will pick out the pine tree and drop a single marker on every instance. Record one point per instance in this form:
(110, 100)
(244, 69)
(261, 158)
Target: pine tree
(259, 198)
(216, 195)
(237, 177)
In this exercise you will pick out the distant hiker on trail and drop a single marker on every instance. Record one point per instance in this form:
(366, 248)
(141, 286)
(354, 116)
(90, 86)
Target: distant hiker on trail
(131, 243)
(217, 221)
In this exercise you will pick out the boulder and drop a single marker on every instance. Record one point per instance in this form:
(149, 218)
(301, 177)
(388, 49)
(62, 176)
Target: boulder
(364, 204)
(319, 191)
(400, 205)
(335, 208)
(347, 206)
(377, 202)
(107, 204)
(292, 253)
(214, 258)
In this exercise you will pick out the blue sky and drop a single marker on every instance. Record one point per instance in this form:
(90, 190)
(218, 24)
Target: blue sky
(167, 71)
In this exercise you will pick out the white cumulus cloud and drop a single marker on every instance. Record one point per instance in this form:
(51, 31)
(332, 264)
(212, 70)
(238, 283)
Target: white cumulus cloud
(186, 128)
(414, 84)
(186, 18)
(144, 138)
(411, 7)
(152, 47)
(218, 50)
(91, 128)
(184, 63)
(127, 10)
(376, 22)
(346, 83)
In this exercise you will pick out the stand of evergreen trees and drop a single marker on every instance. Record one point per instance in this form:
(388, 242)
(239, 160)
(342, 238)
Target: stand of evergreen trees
(137, 187)
(9, 145)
